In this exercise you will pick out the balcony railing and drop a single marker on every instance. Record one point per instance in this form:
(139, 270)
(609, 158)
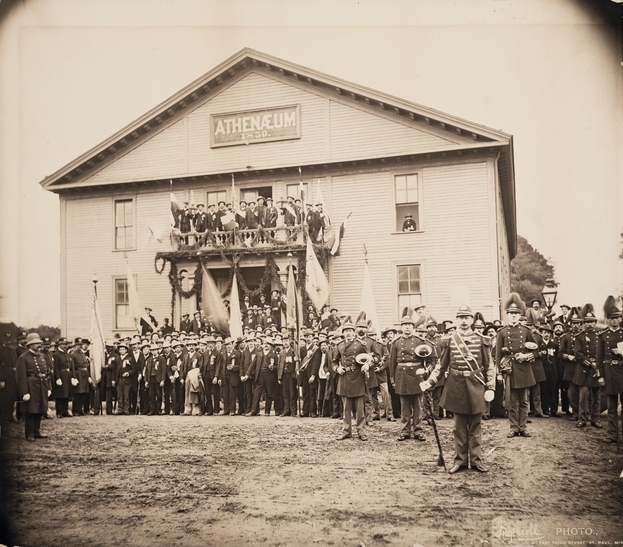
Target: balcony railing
(269, 238)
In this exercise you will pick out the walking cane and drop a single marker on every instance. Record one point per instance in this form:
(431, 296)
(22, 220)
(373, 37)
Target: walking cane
(428, 398)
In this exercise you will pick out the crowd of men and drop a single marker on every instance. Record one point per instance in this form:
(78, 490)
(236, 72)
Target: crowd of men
(420, 371)
(250, 216)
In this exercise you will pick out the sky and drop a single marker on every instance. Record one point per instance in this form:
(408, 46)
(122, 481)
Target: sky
(73, 72)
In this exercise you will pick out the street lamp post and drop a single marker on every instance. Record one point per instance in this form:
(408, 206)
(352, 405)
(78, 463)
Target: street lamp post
(549, 293)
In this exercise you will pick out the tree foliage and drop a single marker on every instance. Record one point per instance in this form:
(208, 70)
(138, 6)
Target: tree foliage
(529, 270)
(8, 332)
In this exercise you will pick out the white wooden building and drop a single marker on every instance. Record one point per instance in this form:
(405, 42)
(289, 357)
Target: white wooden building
(271, 124)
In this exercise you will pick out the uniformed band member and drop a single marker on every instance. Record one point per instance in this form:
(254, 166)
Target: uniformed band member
(609, 361)
(8, 385)
(567, 354)
(411, 359)
(32, 383)
(587, 376)
(470, 385)
(514, 352)
(351, 384)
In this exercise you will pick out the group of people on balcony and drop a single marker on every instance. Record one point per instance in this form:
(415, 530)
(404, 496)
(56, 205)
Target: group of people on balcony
(212, 226)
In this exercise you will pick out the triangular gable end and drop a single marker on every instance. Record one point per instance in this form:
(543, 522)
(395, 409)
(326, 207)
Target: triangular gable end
(331, 130)
(159, 133)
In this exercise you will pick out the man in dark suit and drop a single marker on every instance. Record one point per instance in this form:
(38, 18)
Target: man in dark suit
(197, 324)
(264, 372)
(110, 373)
(8, 384)
(138, 385)
(286, 377)
(185, 324)
(308, 375)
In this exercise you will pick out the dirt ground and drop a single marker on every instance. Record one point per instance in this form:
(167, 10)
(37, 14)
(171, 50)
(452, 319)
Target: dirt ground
(175, 480)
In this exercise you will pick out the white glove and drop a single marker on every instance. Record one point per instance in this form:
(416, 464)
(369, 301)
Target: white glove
(74, 382)
(425, 386)
(26, 397)
(49, 392)
(489, 395)
(59, 382)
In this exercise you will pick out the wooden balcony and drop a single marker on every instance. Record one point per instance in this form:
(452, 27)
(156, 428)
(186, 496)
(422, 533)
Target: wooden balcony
(280, 238)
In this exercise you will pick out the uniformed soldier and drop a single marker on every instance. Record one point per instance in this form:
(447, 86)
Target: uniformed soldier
(470, 385)
(609, 361)
(411, 359)
(32, 383)
(8, 384)
(80, 405)
(537, 365)
(567, 354)
(351, 384)
(587, 377)
(514, 353)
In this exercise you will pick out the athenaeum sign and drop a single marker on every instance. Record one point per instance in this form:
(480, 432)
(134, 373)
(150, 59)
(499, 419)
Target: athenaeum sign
(271, 124)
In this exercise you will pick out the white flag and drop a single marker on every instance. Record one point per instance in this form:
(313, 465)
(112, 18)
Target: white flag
(96, 351)
(316, 283)
(368, 303)
(135, 310)
(235, 317)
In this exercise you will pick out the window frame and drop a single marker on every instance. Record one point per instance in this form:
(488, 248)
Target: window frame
(132, 246)
(115, 279)
(297, 184)
(402, 263)
(403, 173)
(223, 190)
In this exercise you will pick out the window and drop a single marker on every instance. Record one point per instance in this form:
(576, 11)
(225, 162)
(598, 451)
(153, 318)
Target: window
(409, 290)
(295, 191)
(124, 224)
(215, 197)
(123, 320)
(407, 203)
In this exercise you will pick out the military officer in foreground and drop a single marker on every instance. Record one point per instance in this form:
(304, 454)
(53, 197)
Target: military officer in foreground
(470, 385)
(610, 365)
(514, 352)
(587, 377)
(33, 386)
(410, 360)
(351, 383)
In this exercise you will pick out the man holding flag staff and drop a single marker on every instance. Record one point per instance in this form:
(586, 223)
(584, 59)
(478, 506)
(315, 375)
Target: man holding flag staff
(469, 386)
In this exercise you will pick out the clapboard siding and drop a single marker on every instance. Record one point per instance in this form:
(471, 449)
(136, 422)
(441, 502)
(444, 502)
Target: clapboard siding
(89, 250)
(162, 156)
(454, 247)
(330, 131)
(358, 134)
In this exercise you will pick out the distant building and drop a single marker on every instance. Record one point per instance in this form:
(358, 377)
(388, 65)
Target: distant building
(271, 124)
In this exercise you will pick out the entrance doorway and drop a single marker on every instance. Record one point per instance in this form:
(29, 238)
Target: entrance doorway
(251, 194)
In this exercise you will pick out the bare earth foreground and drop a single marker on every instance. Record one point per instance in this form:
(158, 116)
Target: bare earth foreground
(168, 480)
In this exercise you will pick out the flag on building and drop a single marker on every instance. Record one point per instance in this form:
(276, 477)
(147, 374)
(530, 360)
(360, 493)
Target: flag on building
(175, 209)
(316, 283)
(292, 315)
(96, 351)
(212, 303)
(319, 200)
(235, 316)
(336, 237)
(135, 311)
(368, 304)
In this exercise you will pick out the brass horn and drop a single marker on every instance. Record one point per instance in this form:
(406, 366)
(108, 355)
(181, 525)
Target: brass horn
(364, 358)
(423, 350)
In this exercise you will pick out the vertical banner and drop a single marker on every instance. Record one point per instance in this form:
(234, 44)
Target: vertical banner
(235, 316)
(134, 304)
(96, 350)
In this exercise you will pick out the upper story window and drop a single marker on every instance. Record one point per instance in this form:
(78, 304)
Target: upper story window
(215, 197)
(124, 223)
(294, 190)
(406, 196)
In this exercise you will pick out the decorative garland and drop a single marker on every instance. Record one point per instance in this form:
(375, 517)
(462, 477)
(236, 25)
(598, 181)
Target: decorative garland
(270, 276)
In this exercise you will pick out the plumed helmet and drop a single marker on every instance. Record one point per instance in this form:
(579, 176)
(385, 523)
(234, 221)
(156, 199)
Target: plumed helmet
(515, 304)
(611, 310)
(588, 313)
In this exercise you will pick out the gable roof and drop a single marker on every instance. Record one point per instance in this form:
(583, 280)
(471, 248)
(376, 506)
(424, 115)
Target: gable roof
(463, 135)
